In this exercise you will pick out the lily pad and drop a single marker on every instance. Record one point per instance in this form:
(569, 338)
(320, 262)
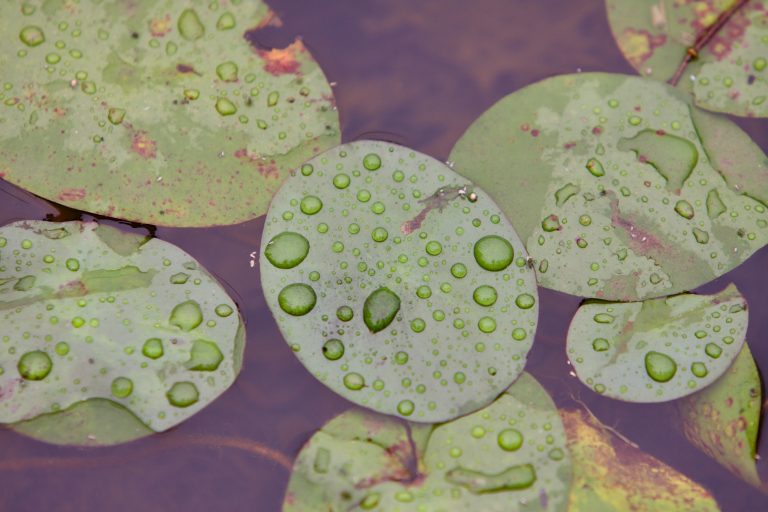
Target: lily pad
(660, 349)
(161, 112)
(509, 456)
(108, 336)
(397, 284)
(621, 188)
(610, 474)
(723, 420)
(728, 74)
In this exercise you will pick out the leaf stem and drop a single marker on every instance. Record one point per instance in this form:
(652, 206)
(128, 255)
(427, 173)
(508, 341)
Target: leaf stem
(704, 37)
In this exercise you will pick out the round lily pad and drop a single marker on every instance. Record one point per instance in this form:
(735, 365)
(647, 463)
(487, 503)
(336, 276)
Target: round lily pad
(660, 349)
(108, 336)
(398, 285)
(621, 188)
(161, 112)
(728, 74)
(508, 456)
(609, 474)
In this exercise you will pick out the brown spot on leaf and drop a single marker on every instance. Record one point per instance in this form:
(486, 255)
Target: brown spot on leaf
(159, 27)
(282, 61)
(143, 145)
(638, 45)
(72, 194)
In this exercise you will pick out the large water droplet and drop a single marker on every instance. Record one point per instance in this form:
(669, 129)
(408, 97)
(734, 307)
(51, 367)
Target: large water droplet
(204, 357)
(297, 299)
(372, 161)
(405, 407)
(660, 367)
(32, 36)
(73, 265)
(225, 107)
(190, 26)
(458, 270)
(310, 205)
(486, 324)
(227, 71)
(186, 316)
(183, 394)
(122, 387)
(517, 477)
(354, 381)
(525, 301)
(287, 250)
(380, 309)
(35, 365)
(493, 253)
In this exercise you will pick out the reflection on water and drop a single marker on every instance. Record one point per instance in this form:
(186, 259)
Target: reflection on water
(416, 73)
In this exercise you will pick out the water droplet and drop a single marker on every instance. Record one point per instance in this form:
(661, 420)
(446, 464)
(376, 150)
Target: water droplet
(493, 253)
(341, 181)
(53, 58)
(226, 21)
(204, 357)
(223, 310)
(510, 439)
(486, 324)
(32, 36)
(401, 358)
(380, 309)
(514, 478)
(333, 349)
(354, 381)
(183, 394)
(713, 350)
(297, 299)
(600, 345)
(379, 234)
(525, 301)
(287, 250)
(372, 161)
(405, 407)
(116, 115)
(550, 223)
(701, 236)
(603, 318)
(62, 348)
(699, 369)
(595, 167)
(310, 205)
(485, 295)
(25, 284)
(153, 348)
(186, 316)
(434, 248)
(660, 367)
(190, 26)
(458, 270)
(345, 313)
(566, 192)
(179, 278)
(418, 325)
(363, 196)
(225, 107)
(78, 322)
(684, 209)
(35, 365)
(424, 292)
(227, 71)
(519, 334)
(122, 387)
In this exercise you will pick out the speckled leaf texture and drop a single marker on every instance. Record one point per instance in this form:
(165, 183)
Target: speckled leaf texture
(107, 336)
(611, 475)
(660, 349)
(508, 457)
(157, 112)
(621, 189)
(723, 420)
(730, 73)
(396, 283)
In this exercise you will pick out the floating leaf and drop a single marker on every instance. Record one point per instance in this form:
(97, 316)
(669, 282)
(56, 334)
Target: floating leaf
(660, 349)
(621, 189)
(509, 456)
(609, 474)
(108, 336)
(162, 112)
(723, 420)
(728, 74)
(396, 285)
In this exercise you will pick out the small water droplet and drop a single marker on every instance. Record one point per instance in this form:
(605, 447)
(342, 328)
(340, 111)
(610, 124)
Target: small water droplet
(713, 350)
(32, 36)
(525, 301)
(595, 167)
(153, 348)
(190, 26)
(333, 349)
(122, 387)
(287, 250)
(227, 71)
(372, 161)
(116, 115)
(354, 381)
(603, 318)
(699, 369)
(600, 345)
(550, 223)
(225, 107)
(485, 295)
(684, 209)
(405, 407)
(186, 316)
(379, 234)
(205, 356)
(341, 181)
(380, 309)
(510, 439)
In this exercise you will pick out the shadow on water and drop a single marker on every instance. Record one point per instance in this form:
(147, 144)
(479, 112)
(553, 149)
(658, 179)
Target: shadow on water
(414, 73)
